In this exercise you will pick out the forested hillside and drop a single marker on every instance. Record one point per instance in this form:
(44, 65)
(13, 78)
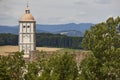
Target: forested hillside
(44, 40)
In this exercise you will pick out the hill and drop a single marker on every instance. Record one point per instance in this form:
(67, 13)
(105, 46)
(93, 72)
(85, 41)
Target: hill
(78, 29)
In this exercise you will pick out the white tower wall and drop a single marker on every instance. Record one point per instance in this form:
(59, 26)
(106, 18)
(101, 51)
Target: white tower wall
(27, 31)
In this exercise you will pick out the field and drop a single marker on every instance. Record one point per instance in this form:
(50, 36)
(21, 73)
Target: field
(79, 54)
(4, 50)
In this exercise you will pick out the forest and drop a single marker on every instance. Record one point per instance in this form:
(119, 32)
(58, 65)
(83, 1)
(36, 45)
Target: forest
(45, 40)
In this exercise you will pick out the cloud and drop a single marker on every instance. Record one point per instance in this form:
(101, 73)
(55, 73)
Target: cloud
(103, 1)
(80, 3)
(82, 13)
(59, 11)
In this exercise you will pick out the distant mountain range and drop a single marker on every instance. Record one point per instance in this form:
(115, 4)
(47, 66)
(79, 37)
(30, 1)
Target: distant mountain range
(70, 29)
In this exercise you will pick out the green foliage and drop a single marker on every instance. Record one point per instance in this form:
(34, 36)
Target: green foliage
(34, 68)
(52, 67)
(45, 39)
(16, 64)
(11, 67)
(4, 72)
(8, 39)
(60, 67)
(32, 71)
(104, 41)
(57, 40)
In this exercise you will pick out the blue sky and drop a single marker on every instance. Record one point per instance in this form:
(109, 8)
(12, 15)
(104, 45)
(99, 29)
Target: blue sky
(59, 11)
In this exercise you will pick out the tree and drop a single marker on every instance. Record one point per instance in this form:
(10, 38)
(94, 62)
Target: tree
(44, 39)
(60, 67)
(11, 67)
(32, 71)
(104, 43)
(4, 72)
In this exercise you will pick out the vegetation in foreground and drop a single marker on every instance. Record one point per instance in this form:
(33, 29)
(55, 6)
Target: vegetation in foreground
(104, 41)
(56, 67)
(102, 64)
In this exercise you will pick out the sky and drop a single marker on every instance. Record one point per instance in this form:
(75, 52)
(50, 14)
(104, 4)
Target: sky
(59, 11)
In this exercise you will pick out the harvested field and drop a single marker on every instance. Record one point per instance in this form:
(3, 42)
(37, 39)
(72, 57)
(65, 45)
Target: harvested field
(79, 54)
(48, 49)
(5, 50)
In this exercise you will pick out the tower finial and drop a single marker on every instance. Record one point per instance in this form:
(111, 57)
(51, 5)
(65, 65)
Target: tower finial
(27, 4)
(27, 11)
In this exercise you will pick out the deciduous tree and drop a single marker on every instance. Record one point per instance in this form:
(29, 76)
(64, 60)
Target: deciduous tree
(104, 42)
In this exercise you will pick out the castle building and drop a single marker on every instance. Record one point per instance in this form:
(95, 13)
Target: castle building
(27, 31)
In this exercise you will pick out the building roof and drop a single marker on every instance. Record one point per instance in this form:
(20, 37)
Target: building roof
(27, 16)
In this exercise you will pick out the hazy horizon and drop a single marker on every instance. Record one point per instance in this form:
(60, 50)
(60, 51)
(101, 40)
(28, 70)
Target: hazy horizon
(46, 24)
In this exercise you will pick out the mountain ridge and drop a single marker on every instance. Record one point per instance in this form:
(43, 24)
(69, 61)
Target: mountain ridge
(78, 29)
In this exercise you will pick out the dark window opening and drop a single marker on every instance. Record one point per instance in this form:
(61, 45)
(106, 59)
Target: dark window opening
(28, 26)
(23, 26)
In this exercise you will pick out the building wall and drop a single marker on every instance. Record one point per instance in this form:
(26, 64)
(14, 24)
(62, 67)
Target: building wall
(27, 41)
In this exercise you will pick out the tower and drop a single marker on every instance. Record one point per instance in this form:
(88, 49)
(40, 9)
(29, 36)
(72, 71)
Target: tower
(27, 31)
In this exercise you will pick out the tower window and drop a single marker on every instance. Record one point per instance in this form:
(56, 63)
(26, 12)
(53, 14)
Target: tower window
(28, 26)
(23, 26)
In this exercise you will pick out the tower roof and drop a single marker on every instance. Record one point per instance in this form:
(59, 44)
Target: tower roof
(27, 16)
